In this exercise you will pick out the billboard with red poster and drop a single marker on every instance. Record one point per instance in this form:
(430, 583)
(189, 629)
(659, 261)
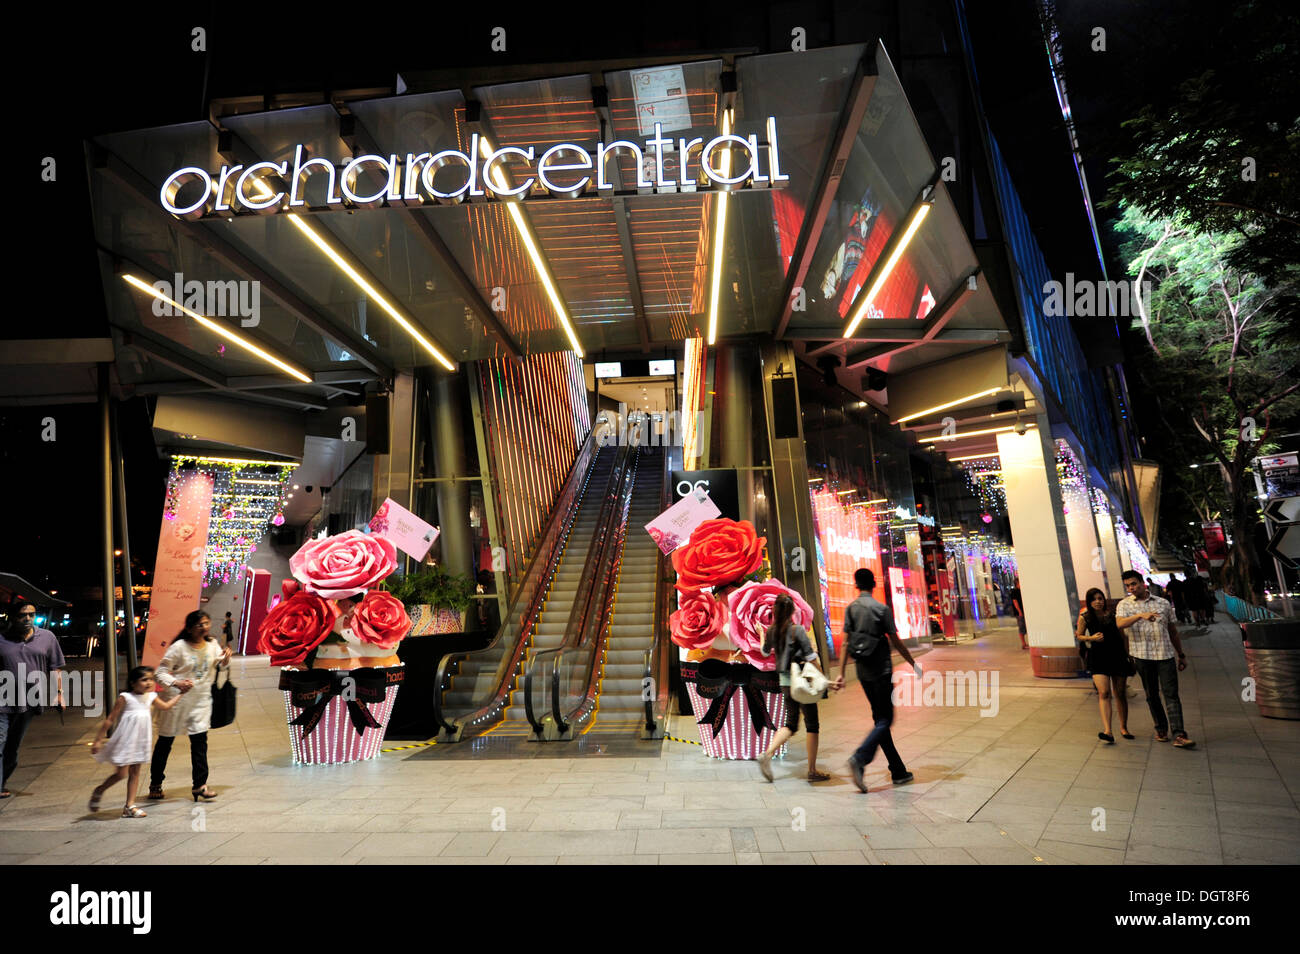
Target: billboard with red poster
(1216, 544)
(864, 240)
(907, 594)
(849, 538)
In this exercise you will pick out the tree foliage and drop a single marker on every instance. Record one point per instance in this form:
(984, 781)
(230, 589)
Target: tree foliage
(1220, 150)
(1223, 366)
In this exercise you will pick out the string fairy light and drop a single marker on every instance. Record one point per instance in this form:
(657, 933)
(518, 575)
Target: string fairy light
(242, 509)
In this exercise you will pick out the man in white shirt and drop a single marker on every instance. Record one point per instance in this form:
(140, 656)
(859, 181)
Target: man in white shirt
(1157, 653)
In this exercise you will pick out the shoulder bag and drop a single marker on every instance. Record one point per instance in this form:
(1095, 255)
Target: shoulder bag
(223, 701)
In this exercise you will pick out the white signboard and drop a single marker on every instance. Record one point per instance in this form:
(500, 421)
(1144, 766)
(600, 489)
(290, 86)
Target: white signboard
(660, 97)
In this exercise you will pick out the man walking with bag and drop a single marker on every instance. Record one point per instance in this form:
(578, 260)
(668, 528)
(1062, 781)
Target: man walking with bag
(869, 633)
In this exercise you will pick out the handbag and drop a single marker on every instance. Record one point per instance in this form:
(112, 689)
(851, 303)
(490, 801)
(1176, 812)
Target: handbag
(223, 701)
(807, 684)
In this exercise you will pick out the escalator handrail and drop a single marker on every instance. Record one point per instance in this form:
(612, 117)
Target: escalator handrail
(597, 621)
(617, 475)
(656, 658)
(527, 605)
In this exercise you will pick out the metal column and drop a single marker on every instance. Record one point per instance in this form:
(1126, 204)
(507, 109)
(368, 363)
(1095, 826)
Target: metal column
(733, 372)
(794, 556)
(447, 407)
(123, 534)
(106, 535)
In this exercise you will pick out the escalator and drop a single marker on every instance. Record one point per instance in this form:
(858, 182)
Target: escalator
(552, 623)
(619, 697)
(591, 687)
(477, 687)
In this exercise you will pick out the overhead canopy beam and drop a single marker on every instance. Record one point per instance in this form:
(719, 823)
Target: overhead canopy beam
(433, 242)
(130, 180)
(907, 332)
(164, 354)
(600, 102)
(851, 116)
(524, 221)
(56, 351)
(238, 150)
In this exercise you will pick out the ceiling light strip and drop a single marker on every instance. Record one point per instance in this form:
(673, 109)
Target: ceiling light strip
(342, 265)
(222, 331)
(914, 222)
(525, 233)
(719, 236)
(943, 407)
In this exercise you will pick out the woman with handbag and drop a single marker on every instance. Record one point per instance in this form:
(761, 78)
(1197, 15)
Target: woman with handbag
(188, 668)
(791, 644)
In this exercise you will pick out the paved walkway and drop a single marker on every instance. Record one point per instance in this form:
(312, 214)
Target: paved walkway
(1029, 785)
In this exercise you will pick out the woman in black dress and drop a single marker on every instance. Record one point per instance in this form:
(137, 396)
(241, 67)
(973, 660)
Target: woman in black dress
(1106, 656)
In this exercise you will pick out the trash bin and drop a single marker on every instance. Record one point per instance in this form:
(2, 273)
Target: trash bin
(1273, 657)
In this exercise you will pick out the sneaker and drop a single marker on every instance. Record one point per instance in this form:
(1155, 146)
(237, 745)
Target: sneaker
(765, 766)
(1161, 737)
(1183, 742)
(904, 778)
(856, 771)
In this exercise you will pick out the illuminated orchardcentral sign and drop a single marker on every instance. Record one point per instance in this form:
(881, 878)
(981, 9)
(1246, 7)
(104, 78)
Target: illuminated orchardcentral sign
(566, 169)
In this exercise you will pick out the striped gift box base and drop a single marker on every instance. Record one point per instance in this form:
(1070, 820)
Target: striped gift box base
(335, 740)
(737, 739)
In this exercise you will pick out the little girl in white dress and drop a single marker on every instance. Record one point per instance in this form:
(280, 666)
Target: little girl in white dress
(132, 739)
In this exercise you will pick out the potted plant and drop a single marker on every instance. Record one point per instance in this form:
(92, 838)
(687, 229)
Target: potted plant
(435, 599)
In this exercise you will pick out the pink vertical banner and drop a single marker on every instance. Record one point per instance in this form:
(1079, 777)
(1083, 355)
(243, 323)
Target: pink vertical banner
(257, 588)
(178, 572)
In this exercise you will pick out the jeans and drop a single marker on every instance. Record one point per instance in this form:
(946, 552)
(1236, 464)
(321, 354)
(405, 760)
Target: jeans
(1161, 676)
(198, 760)
(13, 726)
(882, 714)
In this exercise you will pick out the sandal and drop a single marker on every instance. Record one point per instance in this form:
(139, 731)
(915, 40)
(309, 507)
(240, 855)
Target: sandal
(155, 794)
(132, 812)
(818, 776)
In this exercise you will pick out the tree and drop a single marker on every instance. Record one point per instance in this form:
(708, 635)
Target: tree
(1225, 356)
(1220, 151)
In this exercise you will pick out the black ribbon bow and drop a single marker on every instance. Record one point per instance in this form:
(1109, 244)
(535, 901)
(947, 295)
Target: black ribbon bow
(311, 691)
(718, 680)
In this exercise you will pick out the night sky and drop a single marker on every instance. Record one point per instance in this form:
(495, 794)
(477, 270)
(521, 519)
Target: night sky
(113, 70)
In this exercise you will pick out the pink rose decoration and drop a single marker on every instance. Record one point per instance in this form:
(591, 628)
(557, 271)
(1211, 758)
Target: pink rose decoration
(343, 565)
(699, 621)
(380, 620)
(751, 615)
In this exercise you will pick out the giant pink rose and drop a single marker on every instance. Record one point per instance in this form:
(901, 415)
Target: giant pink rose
(751, 615)
(343, 565)
(699, 621)
(380, 619)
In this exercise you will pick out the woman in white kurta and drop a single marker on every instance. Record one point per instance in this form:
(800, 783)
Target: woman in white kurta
(188, 668)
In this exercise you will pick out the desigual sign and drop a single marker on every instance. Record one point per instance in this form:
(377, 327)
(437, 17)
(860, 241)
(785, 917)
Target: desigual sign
(850, 546)
(725, 162)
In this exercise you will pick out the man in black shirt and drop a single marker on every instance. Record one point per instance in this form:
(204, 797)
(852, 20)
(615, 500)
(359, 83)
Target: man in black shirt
(868, 621)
